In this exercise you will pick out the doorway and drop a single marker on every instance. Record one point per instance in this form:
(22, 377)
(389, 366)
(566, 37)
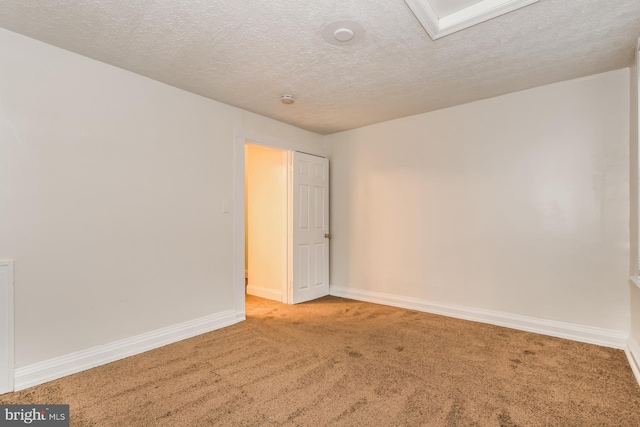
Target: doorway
(265, 213)
(307, 222)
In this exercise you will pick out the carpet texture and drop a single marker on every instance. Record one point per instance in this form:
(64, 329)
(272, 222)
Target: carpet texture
(338, 362)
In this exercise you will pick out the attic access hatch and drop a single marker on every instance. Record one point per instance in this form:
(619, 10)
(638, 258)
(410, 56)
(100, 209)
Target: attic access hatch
(443, 17)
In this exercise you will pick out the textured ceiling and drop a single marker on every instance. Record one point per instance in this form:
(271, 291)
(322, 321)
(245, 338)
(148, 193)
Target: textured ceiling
(246, 53)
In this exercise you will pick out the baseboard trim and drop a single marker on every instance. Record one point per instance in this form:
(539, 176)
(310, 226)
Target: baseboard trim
(570, 331)
(263, 292)
(48, 370)
(633, 354)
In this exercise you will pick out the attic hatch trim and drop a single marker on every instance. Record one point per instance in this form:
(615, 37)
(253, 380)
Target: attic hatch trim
(481, 11)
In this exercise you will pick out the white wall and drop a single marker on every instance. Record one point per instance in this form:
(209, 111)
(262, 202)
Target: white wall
(266, 201)
(111, 194)
(516, 204)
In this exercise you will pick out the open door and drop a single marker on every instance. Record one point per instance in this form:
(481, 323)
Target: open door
(309, 278)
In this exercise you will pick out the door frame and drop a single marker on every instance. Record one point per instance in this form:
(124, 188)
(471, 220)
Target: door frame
(242, 137)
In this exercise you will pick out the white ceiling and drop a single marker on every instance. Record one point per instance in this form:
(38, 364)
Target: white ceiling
(247, 53)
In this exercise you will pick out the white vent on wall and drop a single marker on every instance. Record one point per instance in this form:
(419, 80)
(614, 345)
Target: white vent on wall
(6, 327)
(472, 12)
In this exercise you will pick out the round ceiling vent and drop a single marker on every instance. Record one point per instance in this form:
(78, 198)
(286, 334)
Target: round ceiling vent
(342, 33)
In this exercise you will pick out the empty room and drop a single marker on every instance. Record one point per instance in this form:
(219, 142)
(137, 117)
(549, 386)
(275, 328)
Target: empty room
(319, 213)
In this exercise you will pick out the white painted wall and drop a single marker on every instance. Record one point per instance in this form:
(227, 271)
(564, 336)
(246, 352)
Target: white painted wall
(266, 201)
(516, 204)
(111, 194)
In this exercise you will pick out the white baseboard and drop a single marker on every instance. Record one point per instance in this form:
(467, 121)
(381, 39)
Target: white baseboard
(262, 292)
(72, 363)
(633, 354)
(571, 331)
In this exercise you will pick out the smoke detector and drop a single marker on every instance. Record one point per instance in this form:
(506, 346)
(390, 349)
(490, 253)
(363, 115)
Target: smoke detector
(287, 98)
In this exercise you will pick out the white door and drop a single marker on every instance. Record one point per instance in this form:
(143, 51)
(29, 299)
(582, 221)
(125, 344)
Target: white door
(310, 240)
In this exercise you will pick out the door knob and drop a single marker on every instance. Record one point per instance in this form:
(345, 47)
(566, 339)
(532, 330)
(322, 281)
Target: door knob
(327, 236)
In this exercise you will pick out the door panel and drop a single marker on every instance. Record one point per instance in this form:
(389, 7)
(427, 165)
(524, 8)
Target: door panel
(310, 206)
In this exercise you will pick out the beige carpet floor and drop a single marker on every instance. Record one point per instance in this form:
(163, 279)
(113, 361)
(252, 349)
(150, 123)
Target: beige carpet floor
(338, 362)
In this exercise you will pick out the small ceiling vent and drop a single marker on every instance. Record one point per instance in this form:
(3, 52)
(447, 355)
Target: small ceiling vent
(342, 33)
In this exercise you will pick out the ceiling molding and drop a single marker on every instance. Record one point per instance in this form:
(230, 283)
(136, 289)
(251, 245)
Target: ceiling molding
(482, 11)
